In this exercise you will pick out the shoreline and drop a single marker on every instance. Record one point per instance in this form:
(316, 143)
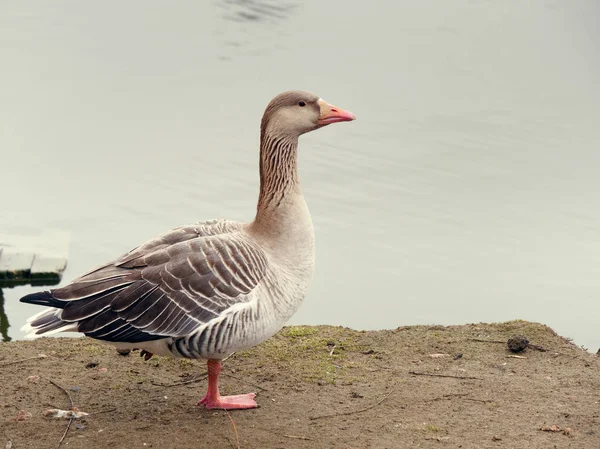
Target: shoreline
(318, 386)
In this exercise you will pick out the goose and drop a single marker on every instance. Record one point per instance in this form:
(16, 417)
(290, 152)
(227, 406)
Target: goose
(209, 289)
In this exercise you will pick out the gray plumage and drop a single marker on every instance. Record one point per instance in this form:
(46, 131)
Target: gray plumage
(168, 287)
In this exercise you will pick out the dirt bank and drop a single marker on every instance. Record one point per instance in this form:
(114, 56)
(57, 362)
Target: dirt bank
(318, 387)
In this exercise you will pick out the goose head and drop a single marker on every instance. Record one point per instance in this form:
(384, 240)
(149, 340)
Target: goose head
(296, 112)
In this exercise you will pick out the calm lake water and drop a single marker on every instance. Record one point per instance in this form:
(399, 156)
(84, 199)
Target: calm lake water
(467, 190)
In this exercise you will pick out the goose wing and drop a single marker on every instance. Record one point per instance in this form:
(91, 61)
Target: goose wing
(167, 287)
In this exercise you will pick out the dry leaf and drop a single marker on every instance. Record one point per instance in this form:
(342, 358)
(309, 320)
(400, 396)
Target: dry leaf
(553, 428)
(66, 414)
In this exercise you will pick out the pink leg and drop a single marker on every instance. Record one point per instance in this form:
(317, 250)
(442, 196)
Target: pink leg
(214, 400)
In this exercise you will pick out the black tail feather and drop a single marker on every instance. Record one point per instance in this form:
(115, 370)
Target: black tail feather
(43, 299)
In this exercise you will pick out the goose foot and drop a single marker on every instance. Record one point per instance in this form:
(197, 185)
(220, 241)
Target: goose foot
(214, 400)
(237, 402)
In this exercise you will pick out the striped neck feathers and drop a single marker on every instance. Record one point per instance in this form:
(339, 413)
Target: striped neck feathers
(278, 172)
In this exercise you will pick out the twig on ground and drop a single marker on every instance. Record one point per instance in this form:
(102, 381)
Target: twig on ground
(110, 410)
(296, 437)
(485, 401)
(331, 352)
(459, 395)
(415, 373)
(529, 345)
(65, 391)
(452, 395)
(237, 439)
(482, 340)
(41, 356)
(71, 406)
(190, 381)
(243, 380)
(440, 439)
(378, 403)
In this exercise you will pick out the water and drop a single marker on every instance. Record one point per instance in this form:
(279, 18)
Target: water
(466, 191)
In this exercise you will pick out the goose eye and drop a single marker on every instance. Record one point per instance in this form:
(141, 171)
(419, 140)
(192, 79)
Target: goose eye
(301, 104)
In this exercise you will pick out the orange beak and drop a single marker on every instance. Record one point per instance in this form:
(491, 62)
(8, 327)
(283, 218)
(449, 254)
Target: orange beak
(333, 114)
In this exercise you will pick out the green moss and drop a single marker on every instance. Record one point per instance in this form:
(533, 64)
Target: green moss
(535, 332)
(431, 428)
(187, 364)
(298, 331)
(322, 372)
(313, 354)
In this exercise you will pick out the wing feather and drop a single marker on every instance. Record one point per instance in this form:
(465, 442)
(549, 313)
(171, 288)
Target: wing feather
(168, 286)
(132, 295)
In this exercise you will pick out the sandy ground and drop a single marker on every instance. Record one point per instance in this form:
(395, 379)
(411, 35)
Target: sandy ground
(318, 387)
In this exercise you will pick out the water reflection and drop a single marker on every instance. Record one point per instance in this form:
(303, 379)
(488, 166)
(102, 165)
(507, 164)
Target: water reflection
(250, 27)
(257, 10)
(4, 325)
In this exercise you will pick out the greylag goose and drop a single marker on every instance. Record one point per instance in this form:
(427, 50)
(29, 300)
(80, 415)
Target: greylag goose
(209, 289)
